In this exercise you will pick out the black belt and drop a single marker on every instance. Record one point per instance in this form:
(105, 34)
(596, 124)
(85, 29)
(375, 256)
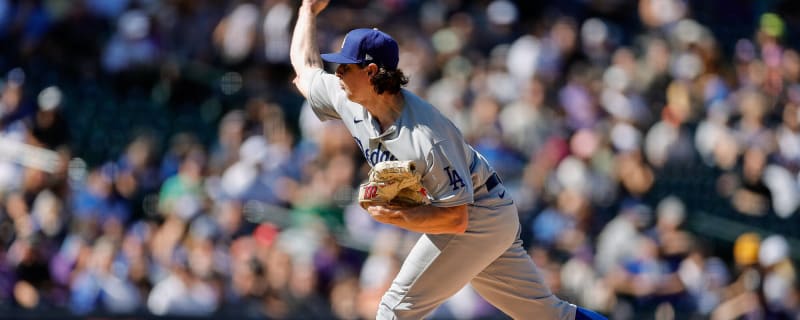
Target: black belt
(492, 182)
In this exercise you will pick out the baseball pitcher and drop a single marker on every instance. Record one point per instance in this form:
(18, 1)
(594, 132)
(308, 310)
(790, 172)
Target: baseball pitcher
(425, 178)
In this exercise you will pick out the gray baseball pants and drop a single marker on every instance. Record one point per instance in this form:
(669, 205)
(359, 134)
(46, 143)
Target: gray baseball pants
(489, 255)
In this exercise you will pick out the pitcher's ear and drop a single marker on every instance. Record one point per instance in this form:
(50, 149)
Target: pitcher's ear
(372, 69)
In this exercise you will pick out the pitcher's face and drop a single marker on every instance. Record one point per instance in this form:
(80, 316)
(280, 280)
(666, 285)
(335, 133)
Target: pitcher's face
(354, 80)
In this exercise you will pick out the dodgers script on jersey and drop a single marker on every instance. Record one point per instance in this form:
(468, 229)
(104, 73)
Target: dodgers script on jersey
(451, 169)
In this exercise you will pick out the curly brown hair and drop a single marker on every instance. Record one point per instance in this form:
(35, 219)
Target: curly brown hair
(390, 81)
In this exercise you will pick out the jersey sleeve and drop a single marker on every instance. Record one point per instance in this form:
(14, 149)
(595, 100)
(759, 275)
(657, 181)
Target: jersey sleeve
(325, 96)
(448, 180)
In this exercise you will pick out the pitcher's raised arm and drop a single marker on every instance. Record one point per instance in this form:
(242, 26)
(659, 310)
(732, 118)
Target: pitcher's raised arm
(304, 52)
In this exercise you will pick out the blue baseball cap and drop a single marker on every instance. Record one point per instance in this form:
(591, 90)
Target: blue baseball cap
(365, 46)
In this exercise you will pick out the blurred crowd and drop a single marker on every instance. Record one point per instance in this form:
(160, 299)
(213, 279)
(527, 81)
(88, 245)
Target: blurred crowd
(156, 160)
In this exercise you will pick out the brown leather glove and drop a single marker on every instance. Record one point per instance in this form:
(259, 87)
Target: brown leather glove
(394, 183)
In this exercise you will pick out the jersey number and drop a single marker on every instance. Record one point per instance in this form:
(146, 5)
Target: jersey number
(455, 180)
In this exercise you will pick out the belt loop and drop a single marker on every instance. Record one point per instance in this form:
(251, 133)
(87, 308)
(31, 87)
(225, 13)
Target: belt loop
(492, 182)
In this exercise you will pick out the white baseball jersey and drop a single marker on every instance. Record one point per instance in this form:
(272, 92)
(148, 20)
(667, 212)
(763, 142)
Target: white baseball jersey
(451, 169)
(489, 255)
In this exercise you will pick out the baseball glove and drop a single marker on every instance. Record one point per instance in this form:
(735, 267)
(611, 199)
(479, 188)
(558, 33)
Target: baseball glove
(393, 183)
